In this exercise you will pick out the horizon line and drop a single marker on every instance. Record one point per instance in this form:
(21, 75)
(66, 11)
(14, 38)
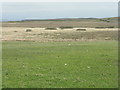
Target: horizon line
(30, 19)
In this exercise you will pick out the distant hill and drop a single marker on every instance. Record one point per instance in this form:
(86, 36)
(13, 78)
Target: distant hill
(60, 19)
(71, 19)
(74, 22)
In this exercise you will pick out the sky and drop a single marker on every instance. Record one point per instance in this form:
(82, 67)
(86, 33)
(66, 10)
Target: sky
(13, 11)
(59, 1)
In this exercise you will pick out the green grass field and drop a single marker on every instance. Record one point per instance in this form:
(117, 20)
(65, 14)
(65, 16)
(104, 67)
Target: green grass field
(90, 64)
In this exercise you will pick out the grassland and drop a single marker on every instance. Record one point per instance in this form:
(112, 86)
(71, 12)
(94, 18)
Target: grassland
(90, 64)
(70, 22)
(40, 54)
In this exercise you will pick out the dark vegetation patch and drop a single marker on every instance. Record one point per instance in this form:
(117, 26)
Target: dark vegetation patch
(28, 30)
(66, 27)
(105, 27)
(80, 29)
(51, 28)
(15, 31)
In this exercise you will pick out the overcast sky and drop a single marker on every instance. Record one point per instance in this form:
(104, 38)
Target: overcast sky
(50, 10)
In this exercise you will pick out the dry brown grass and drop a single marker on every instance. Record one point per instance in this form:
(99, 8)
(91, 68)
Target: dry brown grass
(83, 22)
(42, 35)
